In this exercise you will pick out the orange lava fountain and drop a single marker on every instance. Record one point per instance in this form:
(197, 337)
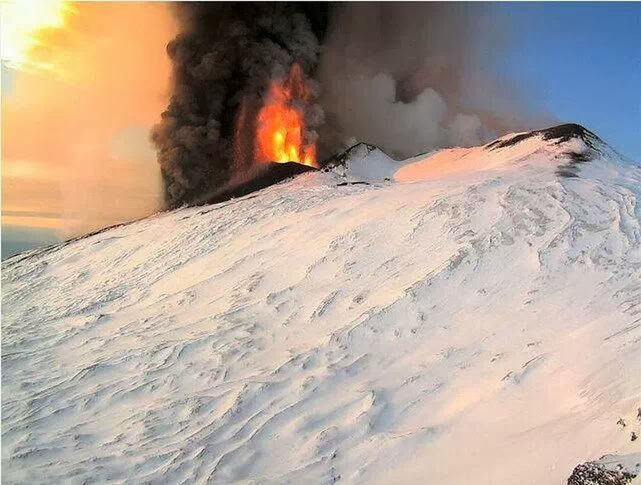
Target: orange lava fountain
(281, 123)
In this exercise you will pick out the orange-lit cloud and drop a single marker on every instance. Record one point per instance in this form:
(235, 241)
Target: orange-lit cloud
(74, 137)
(25, 26)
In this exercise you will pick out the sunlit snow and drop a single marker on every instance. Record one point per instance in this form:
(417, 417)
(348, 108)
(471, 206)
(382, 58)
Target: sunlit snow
(476, 318)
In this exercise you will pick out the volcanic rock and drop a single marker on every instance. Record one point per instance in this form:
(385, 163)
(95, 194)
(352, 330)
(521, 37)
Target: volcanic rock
(258, 178)
(608, 470)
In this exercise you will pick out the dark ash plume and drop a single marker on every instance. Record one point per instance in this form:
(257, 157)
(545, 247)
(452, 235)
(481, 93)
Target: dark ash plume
(223, 61)
(408, 77)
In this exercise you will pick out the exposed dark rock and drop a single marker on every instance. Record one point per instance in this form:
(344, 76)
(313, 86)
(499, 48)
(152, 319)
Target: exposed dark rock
(496, 144)
(608, 470)
(571, 169)
(342, 158)
(560, 133)
(596, 474)
(579, 157)
(563, 133)
(260, 177)
(359, 182)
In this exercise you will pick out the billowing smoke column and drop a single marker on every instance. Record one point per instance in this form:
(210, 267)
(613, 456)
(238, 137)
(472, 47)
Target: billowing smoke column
(406, 77)
(224, 61)
(411, 77)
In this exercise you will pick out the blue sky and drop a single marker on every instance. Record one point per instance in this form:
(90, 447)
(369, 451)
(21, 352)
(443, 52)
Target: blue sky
(582, 61)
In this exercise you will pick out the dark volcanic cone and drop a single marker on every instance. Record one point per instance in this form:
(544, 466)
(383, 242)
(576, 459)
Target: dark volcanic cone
(256, 178)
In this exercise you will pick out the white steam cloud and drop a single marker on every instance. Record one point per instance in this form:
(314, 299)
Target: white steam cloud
(414, 77)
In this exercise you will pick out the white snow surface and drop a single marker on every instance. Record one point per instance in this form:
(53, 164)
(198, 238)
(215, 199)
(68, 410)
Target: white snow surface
(457, 161)
(366, 162)
(627, 463)
(473, 325)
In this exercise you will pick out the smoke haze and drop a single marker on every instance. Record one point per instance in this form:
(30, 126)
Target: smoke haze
(411, 77)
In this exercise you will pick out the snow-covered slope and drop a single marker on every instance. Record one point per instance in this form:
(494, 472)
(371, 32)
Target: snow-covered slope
(480, 325)
(563, 147)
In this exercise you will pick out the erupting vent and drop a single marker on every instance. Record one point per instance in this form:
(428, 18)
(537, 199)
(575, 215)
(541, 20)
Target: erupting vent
(281, 123)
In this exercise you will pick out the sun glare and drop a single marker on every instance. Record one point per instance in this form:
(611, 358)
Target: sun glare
(23, 24)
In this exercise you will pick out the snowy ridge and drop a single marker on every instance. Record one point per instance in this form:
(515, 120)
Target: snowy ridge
(563, 148)
(363, 162)
(478, 325)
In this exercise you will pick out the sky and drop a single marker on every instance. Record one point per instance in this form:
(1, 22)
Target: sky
(76, 154)
(582, 61)
(76, 116)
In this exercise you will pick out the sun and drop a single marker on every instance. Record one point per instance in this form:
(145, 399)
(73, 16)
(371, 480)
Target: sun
(23, 25)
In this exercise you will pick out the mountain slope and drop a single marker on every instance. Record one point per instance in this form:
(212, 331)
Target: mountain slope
(476, 321)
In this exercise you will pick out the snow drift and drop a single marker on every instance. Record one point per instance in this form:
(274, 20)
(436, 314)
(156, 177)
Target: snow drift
(474, 319)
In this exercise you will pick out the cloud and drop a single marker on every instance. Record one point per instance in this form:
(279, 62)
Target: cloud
(412, 77)
(85, 134)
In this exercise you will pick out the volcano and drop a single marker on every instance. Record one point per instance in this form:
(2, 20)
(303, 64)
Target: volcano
(468, 315)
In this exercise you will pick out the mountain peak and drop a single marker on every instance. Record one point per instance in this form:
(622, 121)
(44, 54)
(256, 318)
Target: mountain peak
(559, 133)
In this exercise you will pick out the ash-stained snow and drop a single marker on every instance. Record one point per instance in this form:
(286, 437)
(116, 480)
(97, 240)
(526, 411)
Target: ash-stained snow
(477, 325)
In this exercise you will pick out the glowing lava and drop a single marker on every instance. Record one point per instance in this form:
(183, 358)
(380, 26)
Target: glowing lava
(280, 133)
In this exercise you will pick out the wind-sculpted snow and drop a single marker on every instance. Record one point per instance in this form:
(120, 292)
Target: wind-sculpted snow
(482, 328)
